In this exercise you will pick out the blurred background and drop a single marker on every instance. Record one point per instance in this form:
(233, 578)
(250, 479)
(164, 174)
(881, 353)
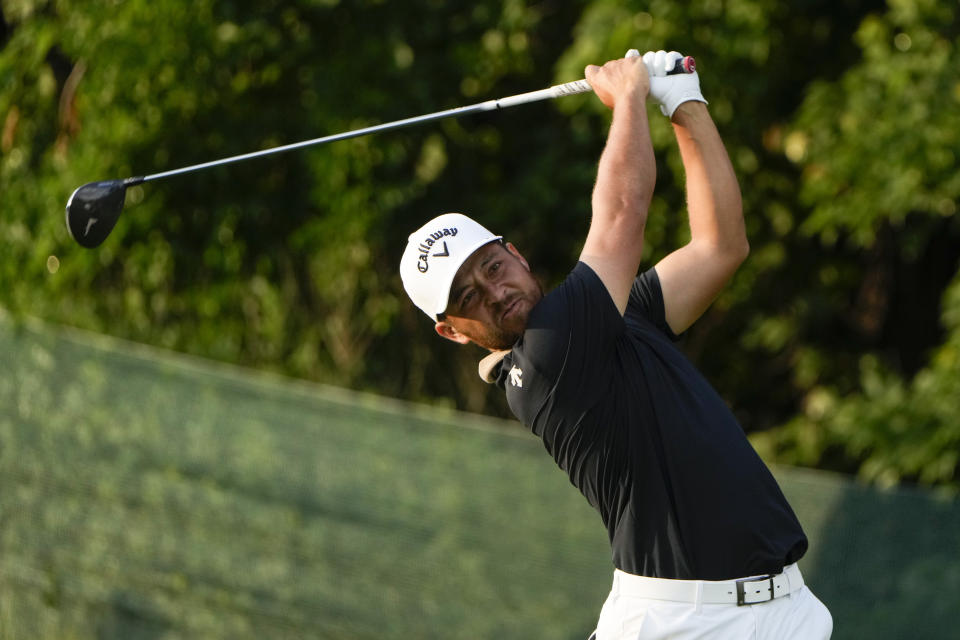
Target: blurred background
(228, 420)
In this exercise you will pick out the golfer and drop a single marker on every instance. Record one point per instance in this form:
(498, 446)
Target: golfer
(704, 543)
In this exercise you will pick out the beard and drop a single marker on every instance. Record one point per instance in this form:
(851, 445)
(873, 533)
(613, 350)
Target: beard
(496, 338)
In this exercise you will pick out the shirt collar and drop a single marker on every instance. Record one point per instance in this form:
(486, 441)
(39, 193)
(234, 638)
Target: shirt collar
(489, 365)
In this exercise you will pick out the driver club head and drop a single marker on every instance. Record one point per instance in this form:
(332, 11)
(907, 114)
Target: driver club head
(93, 209)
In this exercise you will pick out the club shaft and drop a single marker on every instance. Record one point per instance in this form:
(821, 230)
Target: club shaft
(684, 65)
(556, 91)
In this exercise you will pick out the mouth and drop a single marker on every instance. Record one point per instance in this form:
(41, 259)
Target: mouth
(511, 309)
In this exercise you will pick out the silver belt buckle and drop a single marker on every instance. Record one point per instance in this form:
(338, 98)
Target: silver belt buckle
(743, 591)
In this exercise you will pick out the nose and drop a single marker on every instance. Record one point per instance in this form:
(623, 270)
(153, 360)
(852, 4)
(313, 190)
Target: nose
(495, 295)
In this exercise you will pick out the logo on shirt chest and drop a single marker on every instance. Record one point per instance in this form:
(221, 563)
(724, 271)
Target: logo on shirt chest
(516, 376)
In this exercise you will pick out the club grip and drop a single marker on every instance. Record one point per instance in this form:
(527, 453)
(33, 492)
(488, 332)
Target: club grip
(685, 64)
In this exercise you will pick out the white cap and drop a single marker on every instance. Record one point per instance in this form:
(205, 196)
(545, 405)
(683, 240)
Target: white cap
(433, 255)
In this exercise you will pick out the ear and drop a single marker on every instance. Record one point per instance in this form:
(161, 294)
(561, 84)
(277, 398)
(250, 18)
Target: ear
(449, 332)
(512, 249)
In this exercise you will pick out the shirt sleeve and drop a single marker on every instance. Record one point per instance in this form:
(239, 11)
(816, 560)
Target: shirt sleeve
(571, 335)
(646, 300)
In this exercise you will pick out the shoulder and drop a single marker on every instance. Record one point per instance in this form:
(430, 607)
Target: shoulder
(646, 300)
(570, 335)
(582, 291)
(579, 309)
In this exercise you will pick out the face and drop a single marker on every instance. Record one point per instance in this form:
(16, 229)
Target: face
(491, 298)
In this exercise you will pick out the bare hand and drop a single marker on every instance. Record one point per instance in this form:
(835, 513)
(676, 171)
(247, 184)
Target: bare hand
(623, 78)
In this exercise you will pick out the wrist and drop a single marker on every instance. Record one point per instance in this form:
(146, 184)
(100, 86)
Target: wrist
(689, 112)
(634, 100)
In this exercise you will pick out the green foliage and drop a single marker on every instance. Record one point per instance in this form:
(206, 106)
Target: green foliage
(878, 150)
(893, 430)
(881, 143)
(840, 119)
(285, 263)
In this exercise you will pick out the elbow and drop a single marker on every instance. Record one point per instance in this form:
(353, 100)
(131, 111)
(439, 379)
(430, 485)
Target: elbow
(624, 216)
(741, 250)
(630, 222)
(734, 254)
(736, 245)
(729, 252)
(726, 258)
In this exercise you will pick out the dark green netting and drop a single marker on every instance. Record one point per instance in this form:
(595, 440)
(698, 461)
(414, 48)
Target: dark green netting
(149, 495)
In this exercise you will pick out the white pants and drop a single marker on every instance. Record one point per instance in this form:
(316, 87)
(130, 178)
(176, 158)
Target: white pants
(626, 616)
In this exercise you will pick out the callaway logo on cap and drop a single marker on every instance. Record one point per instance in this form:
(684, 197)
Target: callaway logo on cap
(433, 255)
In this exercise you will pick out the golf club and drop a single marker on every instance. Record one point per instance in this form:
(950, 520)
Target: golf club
(93, 209)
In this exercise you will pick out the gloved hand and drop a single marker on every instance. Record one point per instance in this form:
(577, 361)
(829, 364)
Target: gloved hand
(673, 90)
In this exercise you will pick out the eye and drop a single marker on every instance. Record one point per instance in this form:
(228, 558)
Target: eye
(466, 299)
(494, 267)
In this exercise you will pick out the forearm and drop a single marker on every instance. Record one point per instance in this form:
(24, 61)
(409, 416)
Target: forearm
(713, 195)
(626, 175)
(625, 178)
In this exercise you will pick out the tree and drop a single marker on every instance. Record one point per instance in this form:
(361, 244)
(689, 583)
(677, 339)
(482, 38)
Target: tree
(878, 151)
(837, 336)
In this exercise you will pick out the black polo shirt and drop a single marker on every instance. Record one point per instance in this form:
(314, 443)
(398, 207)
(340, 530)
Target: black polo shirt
(645, 437)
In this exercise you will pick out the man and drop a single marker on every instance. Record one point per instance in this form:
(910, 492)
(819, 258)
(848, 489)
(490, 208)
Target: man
(704, 543)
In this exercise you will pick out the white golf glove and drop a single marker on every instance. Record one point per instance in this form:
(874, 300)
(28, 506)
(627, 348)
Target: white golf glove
(669, 91)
